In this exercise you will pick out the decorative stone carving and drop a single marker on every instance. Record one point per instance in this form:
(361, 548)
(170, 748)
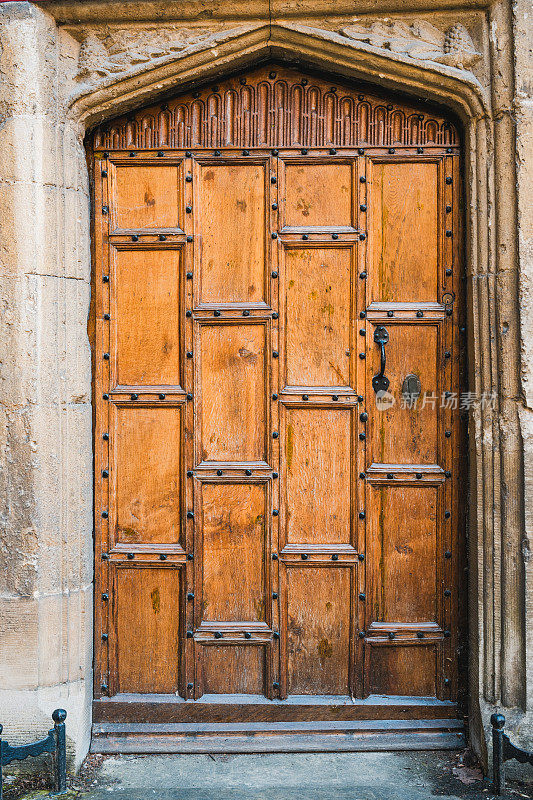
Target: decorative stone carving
(115, 53)
(420, 40)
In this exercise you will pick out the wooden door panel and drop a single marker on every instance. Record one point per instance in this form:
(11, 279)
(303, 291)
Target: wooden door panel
(402, 553)
(318, 629)
(146, 608)
(146, 314)
(232, 392)
(263, 524)
(146, 196)
(393, 669)
(233, 520)
(317, 458)
(233, 669)
(404, 231)
(405, 433)
(231, 228)
(146, 474)
(319, 285)
(318, 194)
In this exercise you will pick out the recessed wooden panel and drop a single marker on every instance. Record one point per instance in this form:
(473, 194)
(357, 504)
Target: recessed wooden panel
(318, 311)
(404, 231)
(233, 669)
(147, 317)
(233, 392)
(146, 196)
(234, 518)
(146, 474)
(402, 550)
(318, 630)
(318, 195)
(405, 671)
(401, 434)
(232, 230)
(317, 445)
(147, 603)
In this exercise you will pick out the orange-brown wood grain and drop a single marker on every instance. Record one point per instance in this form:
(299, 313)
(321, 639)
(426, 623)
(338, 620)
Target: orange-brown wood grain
(262, 525)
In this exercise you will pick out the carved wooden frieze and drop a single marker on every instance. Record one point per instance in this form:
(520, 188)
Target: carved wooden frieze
(276, 107)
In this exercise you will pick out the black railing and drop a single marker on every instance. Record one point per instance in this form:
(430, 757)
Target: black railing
(54, 743)
(503, 750)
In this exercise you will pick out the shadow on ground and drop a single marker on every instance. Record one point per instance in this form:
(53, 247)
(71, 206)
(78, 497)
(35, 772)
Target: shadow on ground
(292, 776)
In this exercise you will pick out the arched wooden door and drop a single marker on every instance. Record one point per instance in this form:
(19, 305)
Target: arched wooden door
(268, 526)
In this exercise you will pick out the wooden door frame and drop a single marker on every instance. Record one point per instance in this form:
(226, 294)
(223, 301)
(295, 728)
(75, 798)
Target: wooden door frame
(463, 97)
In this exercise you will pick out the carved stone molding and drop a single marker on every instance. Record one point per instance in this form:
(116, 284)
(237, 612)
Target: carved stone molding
(421, 40)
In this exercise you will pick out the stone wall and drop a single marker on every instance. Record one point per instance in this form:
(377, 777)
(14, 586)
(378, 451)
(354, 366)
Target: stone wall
(64, 66)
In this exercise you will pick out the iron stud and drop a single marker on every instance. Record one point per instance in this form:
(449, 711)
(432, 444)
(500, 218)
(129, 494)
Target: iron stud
(216, 313)
(361, 634)
(275, 635)
(362, 207)
(334, 397)
(335, 236)
(447, 434)
(362, 275)
(304, 151)
(160, 154)
(105, 556)
(188, 314)
(162, 396)
(131, 556)
(189, 473)
(419, 150)
(105, 637)
(189, 238)
(275, 354)
(448, 474)
(216, 153)
(274, 595)
(362, 314)
(446, 681)
(420, 634)
(105, 514)
(105, 597)
(360, 149)
(275, 152)
(271, 75)
(107, 317)
(390, 476)
(362, 476)
(448, 554)
(362, 237)
(188, 209)
(448, 209)
(247, 635)
(189, 354)
(274, 396)
(246, 152)
(274, 274)
(190, 595)
(447, 593)
(362, 596)
(275, 315)
(362, 436)
(447, 634)
(361, 556)
(162, 237)
(274, 235)
(304, 556)
(103, 688)
(190, 557)
(275, 475)
(163, 556)
(275, 685)
(219, 472)
(106, 356)
(448, 272)
(105, 437)
(448, 149)
(190, 634)
(418, 476)
(362, 332)
(419, 313)
(134, 396)
(105, 154)
(275, 512)
(275, 435)
(305, 397)
(447, 354)
(363, 417)
(190, 686)
(449, 234)
(105, 209)
(105, 473)
(332, 151)
(334, 557)
(188, 153)
(132, 154)
(305, 237)
(274, 556)
(190, 514)
(362, 515)
(391, 634)
(134, 238)
(273, 179)
(274, 206)
(362, 356)
(449, 180)
(391, 150)
(390, 313)
(362, 179)
(447, 514)
(189, 396)
(248, 472)
(246, 313)
(218, 635)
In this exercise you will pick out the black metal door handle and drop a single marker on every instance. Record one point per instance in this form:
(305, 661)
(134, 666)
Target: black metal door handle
(380, 383)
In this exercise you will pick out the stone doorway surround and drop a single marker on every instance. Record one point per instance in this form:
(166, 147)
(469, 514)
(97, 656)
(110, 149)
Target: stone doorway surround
(66, 66)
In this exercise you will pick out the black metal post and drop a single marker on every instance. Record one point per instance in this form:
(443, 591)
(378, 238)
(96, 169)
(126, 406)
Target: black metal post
(498, 763)
(1, 781)
(59, 716)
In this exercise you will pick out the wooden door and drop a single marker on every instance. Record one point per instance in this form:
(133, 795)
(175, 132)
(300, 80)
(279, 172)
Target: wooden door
(266, 524)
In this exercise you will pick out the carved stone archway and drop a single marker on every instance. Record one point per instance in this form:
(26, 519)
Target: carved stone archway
(497, 644)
